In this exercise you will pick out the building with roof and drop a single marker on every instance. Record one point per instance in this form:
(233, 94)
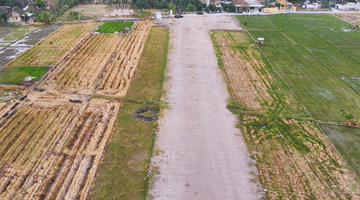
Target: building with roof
(250, 6)
(348, 6)
(311, 4)
(15, 15)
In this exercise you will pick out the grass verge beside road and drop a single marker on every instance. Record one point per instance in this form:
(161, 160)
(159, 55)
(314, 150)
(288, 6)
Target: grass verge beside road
(124, 171)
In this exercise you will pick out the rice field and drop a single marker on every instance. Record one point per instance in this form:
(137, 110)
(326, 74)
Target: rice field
(313, 53)
(16, 75)
(115, 26)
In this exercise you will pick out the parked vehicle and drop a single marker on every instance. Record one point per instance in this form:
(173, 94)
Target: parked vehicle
(199, 13)
(178, 16)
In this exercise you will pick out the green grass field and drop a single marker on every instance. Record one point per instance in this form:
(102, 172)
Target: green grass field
(313, 56)
(347, 142)
(114, 26)
(16, 75)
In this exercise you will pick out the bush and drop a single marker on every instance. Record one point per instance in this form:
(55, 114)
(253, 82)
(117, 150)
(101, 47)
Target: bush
(43, 17)
(212, 7)
(229, 7)
(3, 18)
(73, 15)
(190, 8)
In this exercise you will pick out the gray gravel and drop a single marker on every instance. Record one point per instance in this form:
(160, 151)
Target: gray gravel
(199, 152)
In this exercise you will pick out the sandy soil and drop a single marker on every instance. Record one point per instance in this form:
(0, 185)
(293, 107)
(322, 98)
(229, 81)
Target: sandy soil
(203, 155)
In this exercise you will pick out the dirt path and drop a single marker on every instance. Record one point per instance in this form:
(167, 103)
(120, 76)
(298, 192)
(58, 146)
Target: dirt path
(199, 152)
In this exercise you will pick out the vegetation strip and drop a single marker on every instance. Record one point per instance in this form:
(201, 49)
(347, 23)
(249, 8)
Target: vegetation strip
(130, 147)
(293, 156)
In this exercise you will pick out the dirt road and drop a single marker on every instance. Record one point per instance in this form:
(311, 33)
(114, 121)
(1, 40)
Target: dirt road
(199, 152)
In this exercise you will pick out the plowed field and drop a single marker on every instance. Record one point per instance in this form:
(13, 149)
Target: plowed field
(110, 58)
(51, 149)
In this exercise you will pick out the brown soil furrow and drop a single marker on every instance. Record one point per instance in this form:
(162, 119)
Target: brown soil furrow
(55, 147)
(116, 84)
(67, 165)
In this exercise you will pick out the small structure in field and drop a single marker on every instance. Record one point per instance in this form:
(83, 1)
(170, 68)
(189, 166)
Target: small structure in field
(157, 15)
(260, 41)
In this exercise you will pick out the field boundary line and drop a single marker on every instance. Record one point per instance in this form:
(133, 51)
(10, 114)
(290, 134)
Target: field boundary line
(325, 40)
(296, 97)
(322, 61)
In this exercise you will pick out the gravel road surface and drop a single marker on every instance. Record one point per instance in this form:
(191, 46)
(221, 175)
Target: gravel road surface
(199, 152)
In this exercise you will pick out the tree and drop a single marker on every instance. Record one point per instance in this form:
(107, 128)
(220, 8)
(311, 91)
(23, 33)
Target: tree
(17, 4)
(190, 7)
(171, 6)
(26, 18)
(3, 17)
(5, 2)
(212, 7)
(40, 4)
(30, 10)
(43, 17)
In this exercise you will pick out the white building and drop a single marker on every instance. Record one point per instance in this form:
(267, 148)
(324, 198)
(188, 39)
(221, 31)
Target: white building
(250, 6)
(348, 6)
(157, 15)
(308, 5)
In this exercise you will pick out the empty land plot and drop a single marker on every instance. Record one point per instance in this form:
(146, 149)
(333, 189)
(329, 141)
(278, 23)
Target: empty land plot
(55, 150)
(294, 158)
(55, 46)
(118, 76)
(347, 142)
